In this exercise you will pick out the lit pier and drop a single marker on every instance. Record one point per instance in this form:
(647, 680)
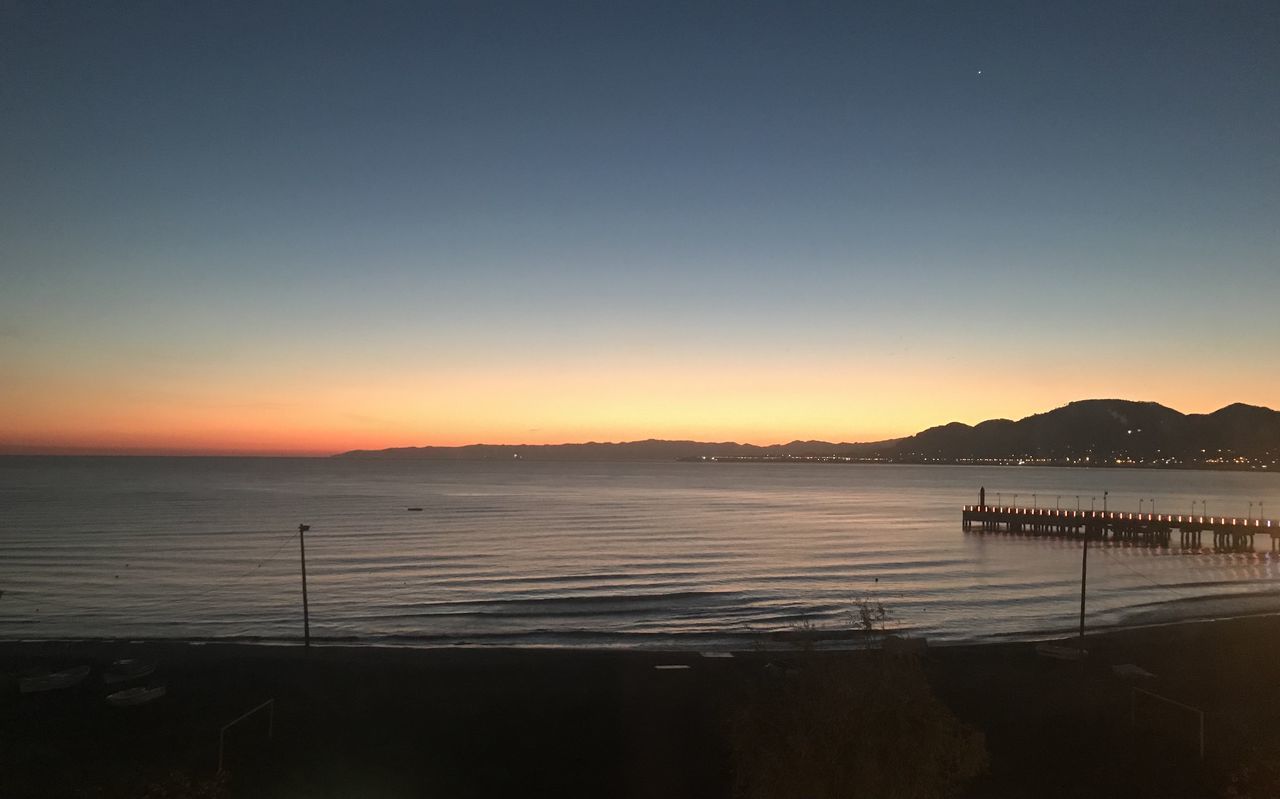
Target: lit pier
(1227, 533)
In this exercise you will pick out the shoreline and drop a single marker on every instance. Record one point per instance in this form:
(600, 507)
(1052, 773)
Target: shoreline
(1011, 463)
(834, 640)
(769, 644)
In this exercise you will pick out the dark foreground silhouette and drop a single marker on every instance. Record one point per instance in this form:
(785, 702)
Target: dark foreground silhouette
(995, 720)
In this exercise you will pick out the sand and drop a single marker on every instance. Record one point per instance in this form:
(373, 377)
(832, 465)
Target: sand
(371, 722)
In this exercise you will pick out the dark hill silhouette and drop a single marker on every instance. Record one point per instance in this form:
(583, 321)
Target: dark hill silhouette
(649, 449)
(1092, 432)
(1104, 430)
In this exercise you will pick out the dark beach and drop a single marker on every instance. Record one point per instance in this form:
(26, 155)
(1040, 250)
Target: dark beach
(363, 721)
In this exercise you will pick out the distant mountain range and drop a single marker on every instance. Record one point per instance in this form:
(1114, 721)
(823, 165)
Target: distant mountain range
(648, 450)
(1090, 432)
(1107, 430)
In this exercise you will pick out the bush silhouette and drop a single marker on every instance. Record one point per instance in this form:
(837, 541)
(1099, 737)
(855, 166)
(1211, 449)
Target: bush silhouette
(845, 726)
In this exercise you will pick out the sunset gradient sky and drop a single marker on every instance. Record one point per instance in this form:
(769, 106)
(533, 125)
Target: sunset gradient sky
(322, 226)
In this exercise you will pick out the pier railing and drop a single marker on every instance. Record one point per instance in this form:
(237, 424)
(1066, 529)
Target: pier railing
(1152, 529)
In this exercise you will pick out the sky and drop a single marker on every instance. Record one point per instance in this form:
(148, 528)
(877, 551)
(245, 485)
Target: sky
(307, 227)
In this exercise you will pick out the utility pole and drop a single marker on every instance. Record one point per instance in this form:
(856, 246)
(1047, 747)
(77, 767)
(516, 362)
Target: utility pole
(1084, 574)
(306, 613)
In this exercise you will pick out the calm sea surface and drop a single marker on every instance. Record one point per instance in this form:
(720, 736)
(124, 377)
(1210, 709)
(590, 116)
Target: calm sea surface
(585, 554)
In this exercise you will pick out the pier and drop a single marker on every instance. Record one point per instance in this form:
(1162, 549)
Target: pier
(1227, 533)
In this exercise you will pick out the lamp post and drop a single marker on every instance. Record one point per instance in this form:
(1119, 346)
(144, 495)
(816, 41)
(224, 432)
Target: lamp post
(306, 613)
(1084, 573)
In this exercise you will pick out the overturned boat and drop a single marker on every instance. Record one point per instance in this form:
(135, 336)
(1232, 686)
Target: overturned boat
(128, 669)
(53, 681)
(135, 696)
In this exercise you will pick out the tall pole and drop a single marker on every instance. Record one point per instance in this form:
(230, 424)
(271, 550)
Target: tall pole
(1084, 574)
(306, 613)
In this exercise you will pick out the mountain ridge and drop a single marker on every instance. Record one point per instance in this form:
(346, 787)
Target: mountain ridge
(1084, 432)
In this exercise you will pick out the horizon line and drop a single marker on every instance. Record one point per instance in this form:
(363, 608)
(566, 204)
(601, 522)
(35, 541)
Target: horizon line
(38, 450)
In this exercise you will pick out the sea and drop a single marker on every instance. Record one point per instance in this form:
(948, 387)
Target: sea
(659, 555)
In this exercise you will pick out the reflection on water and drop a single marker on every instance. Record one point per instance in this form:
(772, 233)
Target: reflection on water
(584, 553)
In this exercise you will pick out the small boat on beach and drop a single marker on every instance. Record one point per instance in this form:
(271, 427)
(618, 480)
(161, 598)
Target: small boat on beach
(135, 696)
(53, 681)
(128, 669)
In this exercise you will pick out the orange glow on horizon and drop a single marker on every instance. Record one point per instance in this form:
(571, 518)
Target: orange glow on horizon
(302, 414)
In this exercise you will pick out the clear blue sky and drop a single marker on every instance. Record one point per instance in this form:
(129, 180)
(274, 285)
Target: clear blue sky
(317, 225)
